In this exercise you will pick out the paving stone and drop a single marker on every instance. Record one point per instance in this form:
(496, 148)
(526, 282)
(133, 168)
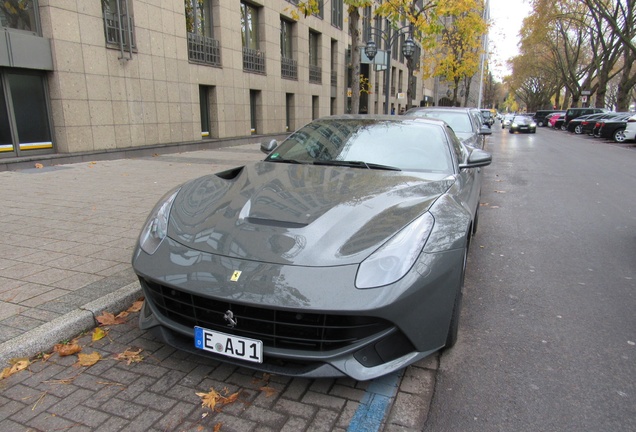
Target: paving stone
(324, 421)
(323, 400)
(295, 424)
(86, 416)
(347, 414)
(268, 417)
(297, 389)
(295, 408)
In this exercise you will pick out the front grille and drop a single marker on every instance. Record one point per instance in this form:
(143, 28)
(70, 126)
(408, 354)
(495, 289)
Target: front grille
(276, 328)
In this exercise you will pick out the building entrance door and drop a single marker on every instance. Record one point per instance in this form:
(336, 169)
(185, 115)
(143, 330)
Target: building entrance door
(24, 116)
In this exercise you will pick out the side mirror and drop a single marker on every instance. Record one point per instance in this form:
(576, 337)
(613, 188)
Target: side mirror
(268, 147)
(477, 158)
(485, 130)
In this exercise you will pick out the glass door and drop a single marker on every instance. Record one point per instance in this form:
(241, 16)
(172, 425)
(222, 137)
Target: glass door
(24, 118)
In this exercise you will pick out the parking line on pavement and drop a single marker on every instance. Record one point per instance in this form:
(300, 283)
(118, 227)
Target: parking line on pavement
(373, 406)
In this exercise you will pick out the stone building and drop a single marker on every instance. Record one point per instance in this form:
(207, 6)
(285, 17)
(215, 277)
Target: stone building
(82, 77)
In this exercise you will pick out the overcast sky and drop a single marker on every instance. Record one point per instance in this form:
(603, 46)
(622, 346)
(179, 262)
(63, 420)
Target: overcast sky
(506, 17)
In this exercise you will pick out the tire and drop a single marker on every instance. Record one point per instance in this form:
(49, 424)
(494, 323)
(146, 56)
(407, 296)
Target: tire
(453, 328)
(511, 131)
(564, 127)
(619, 135)
(540, 124)
(578, 130)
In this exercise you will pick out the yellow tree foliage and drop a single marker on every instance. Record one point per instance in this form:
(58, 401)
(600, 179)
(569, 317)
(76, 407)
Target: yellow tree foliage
(459, 45)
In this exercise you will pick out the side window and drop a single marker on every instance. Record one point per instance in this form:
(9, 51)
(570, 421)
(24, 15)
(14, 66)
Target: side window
(458, 149)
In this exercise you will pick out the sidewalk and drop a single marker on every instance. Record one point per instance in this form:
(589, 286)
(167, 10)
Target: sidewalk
(68, 236)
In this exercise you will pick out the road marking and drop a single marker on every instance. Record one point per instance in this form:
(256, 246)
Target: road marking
(373, 406)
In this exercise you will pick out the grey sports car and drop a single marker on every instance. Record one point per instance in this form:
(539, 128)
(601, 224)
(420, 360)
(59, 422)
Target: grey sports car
(342, 253)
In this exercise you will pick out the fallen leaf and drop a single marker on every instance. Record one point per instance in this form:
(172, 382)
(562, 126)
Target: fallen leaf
(88, 359)
(209, 399)
(217, 427)
(64, 350)
(108, 318)
(269, 391)
(122, 315)
(500, 191)
(17, 366)
(99, 333)
(39, 166)
(212, 399)
(130, 356)
(136, 306)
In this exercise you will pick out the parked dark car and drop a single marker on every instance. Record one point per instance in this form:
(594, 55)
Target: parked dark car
(574, 125)
(613, 128)
(522, 123)
(540, 117)
(466, 122)
(342, 253)
(489, 119)
(573, 113)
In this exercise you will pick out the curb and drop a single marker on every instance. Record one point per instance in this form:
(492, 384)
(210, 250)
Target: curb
(69, 325)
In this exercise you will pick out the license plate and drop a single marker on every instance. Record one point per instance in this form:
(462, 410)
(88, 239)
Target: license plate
(228, 345)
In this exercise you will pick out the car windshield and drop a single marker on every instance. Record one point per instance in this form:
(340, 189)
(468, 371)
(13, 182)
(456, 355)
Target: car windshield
(369, 144)
(459, 121)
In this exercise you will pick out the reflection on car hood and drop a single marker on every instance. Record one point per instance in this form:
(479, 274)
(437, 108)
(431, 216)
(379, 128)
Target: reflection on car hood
(300, 214)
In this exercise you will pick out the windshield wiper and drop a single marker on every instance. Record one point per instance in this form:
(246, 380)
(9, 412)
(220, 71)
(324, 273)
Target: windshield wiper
(289, 161)
(357, 164)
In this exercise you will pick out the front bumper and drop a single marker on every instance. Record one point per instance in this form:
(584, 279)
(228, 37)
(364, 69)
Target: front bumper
(415, 312)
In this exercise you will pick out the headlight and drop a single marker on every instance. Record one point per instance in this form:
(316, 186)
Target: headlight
(394, 259)
(156, 227)
(533, 124)
(514, 125)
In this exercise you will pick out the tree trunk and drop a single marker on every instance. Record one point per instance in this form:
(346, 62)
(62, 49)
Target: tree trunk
(354, 18)
(627, 82)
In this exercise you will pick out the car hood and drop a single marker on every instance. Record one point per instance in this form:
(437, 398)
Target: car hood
(300, 214)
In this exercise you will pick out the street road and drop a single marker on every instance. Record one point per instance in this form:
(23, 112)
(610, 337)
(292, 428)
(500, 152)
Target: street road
(548, 330)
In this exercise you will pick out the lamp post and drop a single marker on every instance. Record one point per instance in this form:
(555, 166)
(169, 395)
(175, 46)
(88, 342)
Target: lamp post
(371, 49)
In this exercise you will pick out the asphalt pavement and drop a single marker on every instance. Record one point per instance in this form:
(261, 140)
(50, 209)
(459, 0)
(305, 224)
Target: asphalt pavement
(68, 236)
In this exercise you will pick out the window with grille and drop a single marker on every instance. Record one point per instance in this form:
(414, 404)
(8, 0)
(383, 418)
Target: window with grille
(253, 57)
(289, 66)
(119, 25)
(202, 47)
(315, 71)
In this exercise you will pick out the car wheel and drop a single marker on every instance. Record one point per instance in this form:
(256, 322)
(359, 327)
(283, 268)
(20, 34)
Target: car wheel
(540, 124)
(619, 135)
(453, 328)
(578, 130)
(511, 131)
(564, 127)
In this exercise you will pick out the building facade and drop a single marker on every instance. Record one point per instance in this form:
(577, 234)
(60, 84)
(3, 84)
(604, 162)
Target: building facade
(80, 76)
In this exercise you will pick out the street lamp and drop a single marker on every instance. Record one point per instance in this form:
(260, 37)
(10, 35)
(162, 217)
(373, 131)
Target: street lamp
(371, 49)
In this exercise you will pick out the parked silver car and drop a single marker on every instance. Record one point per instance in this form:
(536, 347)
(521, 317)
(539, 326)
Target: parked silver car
(467, 123)
(342, 253)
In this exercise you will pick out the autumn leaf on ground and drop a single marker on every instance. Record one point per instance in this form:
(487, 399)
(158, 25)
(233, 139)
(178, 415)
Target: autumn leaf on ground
(130, 356)
(64, 350)
(209, 399)
(269, 391)
(17, 366)
(212, 399)
(136, 306)
(217, 427)
(99, 333)
(108, 318)
(88, 359)
(39, 166)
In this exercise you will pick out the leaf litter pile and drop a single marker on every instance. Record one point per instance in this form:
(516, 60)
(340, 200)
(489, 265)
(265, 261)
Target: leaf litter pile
(212, 400)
